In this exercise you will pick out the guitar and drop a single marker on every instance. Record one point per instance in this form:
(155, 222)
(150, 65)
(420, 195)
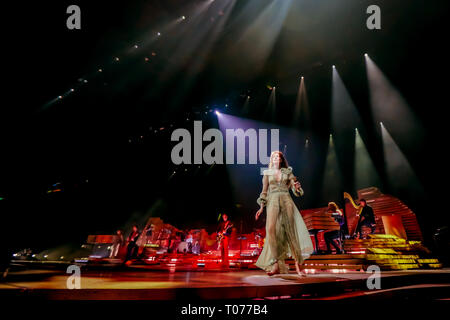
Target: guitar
(220, 234)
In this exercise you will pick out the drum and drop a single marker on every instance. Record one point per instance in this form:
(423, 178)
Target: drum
(183, 247)
(165, 243)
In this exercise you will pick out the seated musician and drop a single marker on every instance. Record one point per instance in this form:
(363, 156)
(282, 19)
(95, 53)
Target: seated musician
(331, 236)
(366, 218)
(223, 237)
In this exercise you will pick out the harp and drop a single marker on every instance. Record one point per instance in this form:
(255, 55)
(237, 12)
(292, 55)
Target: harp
(352, 212)
(142, 240)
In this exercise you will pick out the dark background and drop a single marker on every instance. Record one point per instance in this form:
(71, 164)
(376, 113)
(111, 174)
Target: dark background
(90, 142)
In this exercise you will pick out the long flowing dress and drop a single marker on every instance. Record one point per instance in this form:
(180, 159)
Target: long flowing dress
(286, 232)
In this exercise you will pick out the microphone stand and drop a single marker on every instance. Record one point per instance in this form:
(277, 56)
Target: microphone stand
(240, 241)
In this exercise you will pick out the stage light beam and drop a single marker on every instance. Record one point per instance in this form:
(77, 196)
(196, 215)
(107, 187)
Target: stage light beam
(260, 35)
(400, 175)
(389, 106)
(365, 173)
(245, 108)
(194, 43)
(332, 177)
(344, 114)
(271, 105)
(301, 111)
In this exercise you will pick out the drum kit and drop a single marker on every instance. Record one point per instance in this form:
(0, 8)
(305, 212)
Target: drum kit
(183, 247)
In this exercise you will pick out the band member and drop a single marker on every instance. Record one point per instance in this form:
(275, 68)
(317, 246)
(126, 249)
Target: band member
(223, 238)
(286, 232)
(196, 247)
(149, 232)
(132, 246)
(331, 236)
(189, 241)
(366, 218)
(118, 242)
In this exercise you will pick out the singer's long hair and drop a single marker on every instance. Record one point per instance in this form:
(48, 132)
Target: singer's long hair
(283, 162)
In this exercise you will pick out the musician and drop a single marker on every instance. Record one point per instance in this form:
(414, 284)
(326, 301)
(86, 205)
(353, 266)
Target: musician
(196, 247)
(189, 241)
(118, 242)
(132, 247)
(366, 218)
(331, 236)
(149, 231)
(223, 235)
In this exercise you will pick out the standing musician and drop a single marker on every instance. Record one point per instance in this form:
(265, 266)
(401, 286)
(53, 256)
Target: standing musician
(118, 242)
(223, 234)
(331, 236)
(132, 247)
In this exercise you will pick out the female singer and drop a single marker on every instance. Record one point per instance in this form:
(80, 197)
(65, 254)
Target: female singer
(286, 233)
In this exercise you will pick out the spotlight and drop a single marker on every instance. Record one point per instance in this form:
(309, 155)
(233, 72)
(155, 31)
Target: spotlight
(159, 33)
(334, 67)
(116, 58)
(59, 97)
(100, 70)
(72, 90)
(302, 77)
(136, 46)
(183, 18)
(366, 55)
(217, 112)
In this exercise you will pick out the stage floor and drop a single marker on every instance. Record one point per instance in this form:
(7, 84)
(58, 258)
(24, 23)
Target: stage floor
(239, 284)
